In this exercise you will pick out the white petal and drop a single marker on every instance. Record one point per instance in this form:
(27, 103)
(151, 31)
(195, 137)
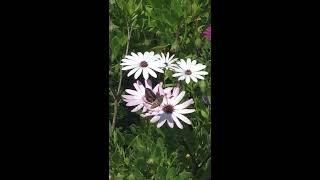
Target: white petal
(178, 74)
(156, 89)
(181, 78)
(167, 91)
(132, 92)
(137, 108)
(167, 56)
(127, 100)
(175, 91)
(182, 117)
(187, 79)
(193, 78)
(145, 73)
(132, 71)
(179, 70)
(159, 64)
(162, 56)
(185, 111)
(184, 104)
(142, 89)
(194, 62)
(137, 74)
(176, 120)
(133, 102)
(131, 58)
(165, 100)
(161, 122)
(200, 73)
(160, 89)
(188, 63)
(170, 58)
(130, 61)
(128, 64)
(154, 67)
(170, 121)
(172, 61)
(178, 98)
(198, 67)
(128, 97)
(144, 109)
(148, 82)
(197, 76)
(155, 119)
(134, 54)
(128, 67)
(137, 87)
(183, 64)
(151, 72)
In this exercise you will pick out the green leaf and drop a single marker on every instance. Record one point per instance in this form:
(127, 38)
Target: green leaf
(156, 3)
(133, 129)
(119, 176)
(160, 174)
(185, 175)
(138, 175)
(171, 174)
(141, 164)
(204, 114)
(128, 138)
(203, 87)
(116, 158)
(198, 42)
(159, 48)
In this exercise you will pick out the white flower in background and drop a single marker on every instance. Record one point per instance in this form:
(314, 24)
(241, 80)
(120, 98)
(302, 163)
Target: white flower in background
(189, 70)
(171, 111)
(168, 61)
(144, 64)
(137, 97)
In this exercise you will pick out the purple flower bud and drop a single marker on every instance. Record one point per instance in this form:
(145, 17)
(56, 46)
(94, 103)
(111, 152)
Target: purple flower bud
(207, 33)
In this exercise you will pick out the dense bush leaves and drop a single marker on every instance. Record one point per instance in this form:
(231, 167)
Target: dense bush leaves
(137, 149)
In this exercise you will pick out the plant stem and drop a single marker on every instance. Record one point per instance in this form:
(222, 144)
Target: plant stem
(193, 160)
(204, 161)
(116, 101)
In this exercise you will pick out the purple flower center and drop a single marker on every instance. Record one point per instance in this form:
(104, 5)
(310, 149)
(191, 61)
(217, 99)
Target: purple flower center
(168, 108)
(143, 64)
(187, 72)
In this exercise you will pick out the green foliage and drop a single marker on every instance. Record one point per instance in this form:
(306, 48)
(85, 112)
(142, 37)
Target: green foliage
(137, 149)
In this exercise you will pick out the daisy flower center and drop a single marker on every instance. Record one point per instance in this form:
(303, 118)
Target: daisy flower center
(143, 64)
(187, 72)
(168, 108)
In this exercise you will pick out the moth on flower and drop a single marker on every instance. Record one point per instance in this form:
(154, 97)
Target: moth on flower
(145, 97)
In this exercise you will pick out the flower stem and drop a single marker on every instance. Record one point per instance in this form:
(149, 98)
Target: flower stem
(116, 101)
(193, 160)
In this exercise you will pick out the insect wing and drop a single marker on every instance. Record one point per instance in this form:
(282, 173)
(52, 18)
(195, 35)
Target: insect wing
(150, 96)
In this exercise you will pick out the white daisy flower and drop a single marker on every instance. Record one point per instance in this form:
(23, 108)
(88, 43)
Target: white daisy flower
(144, 64)
(172, 112)
(189, 70)
(168, 61)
